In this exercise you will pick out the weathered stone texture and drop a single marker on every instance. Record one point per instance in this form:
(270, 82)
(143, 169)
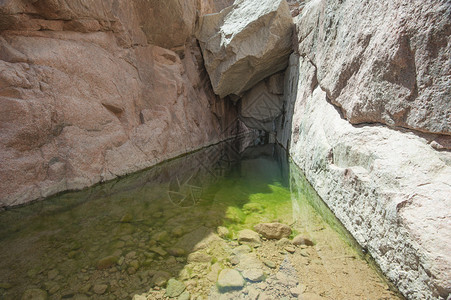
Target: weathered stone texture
(245, 43)
(383, 62)
(85, 98)
(386, 63)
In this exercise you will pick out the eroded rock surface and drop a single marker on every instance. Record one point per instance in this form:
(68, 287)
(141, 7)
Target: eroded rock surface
(386, 62)
(245, 43)
(89, 93)
(378, 63)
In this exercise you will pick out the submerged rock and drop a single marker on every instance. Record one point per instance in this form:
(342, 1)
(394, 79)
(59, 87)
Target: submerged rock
(223, 232)
(245, 43)
(254, 275)
(100, 289)
(107, 262)
(176, 252)
(200, 257)
(230, 279)
(249, 237)
(174, 288)
(273, 230)
(184, 296)
(300, 240)
(160, 278)
(158, 250)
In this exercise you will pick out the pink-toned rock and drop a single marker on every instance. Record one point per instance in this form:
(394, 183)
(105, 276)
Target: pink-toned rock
(81, 105)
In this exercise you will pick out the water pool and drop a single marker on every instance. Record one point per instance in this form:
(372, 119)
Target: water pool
(181, 221)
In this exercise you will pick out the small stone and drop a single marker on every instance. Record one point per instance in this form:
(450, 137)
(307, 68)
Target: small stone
(199, 257)
(249, 237)
(158, 250)
(34, 294)
(214, 271)
(174, 288)
(243, 249)
(85, 288)
(283, 242)
(253, 293)
(273, 230)
(161, 236)
(177, 232)
(160, 278)
(53, 289)
(297, 291)
(300, 240)
(134, 264)
(171, 260)
(127, 218)
(131, 270)
(255, 275)
(262, 285)
(269, 264)
(100, 289)
(139, 297)
(230, 279)
(176, 252)
(184, 296)
(290, 249)
(223, 232)
(234, 260)
(106, 262)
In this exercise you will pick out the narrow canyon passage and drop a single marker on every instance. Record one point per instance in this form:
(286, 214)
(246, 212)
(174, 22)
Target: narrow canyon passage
(225, 149)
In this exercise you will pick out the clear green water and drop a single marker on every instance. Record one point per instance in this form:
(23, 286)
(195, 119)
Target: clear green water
(127, 236)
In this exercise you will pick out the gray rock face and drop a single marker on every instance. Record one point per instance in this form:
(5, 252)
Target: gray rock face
(386, 62)
(245, 43)
(378, 183)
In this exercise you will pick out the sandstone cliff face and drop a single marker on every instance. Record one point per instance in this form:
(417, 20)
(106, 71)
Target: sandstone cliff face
(364, 74)
(91, 91)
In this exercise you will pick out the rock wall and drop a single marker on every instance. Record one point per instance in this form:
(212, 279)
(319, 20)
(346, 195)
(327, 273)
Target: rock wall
(367, 111)
(91, 91)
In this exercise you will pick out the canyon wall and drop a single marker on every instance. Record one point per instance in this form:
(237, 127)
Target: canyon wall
(367, 117)
(92, 91)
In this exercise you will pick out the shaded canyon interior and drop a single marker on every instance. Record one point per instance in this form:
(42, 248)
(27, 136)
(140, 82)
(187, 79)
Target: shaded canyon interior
(358, 92)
